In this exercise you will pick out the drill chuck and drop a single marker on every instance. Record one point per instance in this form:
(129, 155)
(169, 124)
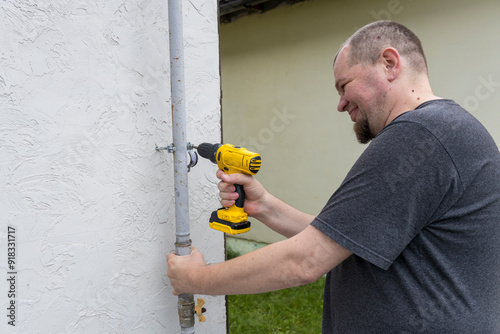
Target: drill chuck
(208, 151)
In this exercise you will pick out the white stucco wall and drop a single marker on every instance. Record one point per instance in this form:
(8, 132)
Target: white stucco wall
(84, 98)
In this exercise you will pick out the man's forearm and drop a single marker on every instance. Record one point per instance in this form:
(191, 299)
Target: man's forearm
(299, 260)
(266, 269)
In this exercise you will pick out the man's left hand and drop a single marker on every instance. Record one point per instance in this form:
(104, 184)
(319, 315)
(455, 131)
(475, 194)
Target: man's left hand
(183, 271)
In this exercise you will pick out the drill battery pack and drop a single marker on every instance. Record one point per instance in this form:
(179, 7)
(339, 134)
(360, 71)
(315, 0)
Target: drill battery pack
(219, 220)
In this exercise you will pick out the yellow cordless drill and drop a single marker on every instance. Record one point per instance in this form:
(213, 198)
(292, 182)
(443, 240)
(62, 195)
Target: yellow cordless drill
(231, 159)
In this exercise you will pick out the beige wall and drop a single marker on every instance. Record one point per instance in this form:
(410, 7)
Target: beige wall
(278, 92)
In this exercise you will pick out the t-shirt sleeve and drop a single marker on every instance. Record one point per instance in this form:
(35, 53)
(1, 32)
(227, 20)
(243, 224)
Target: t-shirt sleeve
(397, 186)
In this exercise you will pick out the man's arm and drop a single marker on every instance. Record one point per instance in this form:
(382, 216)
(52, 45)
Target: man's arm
(299, 260)
(260, 204)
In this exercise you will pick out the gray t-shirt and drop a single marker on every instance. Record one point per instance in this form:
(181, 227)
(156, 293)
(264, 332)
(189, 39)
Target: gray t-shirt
(420, 210)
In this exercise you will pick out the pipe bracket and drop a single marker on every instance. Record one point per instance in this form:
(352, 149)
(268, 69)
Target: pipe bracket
(170, 148)
(193, 155)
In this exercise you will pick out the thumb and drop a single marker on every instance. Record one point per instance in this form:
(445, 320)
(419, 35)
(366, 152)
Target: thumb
(170, 256)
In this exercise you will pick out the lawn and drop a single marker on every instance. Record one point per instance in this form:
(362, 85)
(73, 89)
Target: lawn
(296, 310)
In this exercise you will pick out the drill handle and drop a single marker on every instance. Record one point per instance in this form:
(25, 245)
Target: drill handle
(240, 201)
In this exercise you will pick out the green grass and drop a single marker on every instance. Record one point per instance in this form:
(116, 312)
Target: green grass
(296, 310)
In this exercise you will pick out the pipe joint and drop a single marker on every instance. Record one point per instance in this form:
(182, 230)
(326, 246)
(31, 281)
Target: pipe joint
(185, 306)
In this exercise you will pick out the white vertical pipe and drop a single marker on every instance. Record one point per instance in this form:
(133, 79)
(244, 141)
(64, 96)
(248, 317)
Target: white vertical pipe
(182, 233)
(179, 124)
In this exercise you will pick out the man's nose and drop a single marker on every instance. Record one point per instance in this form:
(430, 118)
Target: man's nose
(342, 104)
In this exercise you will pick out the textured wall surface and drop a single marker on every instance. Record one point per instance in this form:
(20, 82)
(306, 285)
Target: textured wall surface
(84, 98)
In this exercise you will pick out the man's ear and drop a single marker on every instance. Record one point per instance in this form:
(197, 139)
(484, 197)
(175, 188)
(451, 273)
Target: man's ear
(392, 63)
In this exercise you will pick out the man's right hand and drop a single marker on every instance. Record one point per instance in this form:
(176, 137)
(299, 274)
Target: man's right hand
(255, 193)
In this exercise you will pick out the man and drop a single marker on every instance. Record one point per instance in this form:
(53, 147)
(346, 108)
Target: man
(411, 239)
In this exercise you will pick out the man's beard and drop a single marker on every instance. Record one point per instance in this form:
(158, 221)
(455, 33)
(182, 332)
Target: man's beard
(363, 131)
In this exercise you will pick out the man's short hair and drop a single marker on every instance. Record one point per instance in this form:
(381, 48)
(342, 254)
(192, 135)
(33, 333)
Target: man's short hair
(367, 43)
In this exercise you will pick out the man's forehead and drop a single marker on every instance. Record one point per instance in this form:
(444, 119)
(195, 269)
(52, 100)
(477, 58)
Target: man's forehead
(341, 57)
(340, 62)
